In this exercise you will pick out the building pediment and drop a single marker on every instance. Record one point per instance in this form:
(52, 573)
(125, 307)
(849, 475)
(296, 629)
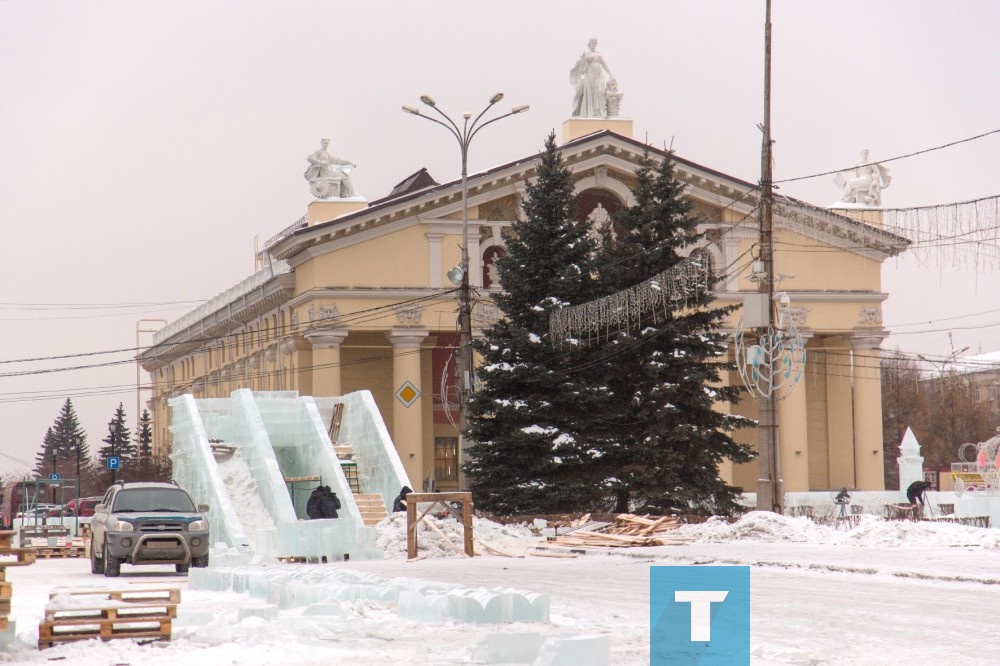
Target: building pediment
(603, 159)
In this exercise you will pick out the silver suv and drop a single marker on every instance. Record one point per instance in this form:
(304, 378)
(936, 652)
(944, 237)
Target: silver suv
(148, 523)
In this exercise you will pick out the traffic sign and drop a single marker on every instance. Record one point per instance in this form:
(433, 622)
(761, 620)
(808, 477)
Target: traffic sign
(53, 477)
(114, 462)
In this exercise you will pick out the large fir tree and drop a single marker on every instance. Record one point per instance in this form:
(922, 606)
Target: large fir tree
(530, 451)
(662, 440)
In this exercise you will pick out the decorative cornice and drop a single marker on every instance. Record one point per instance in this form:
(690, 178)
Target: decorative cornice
(218, 317)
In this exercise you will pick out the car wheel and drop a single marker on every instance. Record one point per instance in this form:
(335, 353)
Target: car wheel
(200, 562)
(112, 564)
(181, 568)
(96, 563)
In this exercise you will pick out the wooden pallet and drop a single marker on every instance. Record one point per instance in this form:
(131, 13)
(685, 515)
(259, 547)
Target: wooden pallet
(108, 614)
(62, 631)
(98, 613)
(60, 551)
(24, 556)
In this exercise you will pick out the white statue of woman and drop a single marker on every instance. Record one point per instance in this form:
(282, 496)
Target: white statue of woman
(586, 75)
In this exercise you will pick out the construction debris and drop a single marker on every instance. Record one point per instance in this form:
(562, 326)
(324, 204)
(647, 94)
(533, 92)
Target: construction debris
(627, 530)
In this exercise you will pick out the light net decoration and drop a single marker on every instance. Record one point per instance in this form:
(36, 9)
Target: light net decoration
(963, 235)
(679, 286)
(771, 362)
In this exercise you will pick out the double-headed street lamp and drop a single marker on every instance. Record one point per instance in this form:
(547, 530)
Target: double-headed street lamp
(464, 136)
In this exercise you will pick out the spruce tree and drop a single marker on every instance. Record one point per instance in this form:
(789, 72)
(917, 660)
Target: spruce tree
(118, 444)
(144, 436)
(48, 457)
(662, 439)
(67, 442)
(530, 451)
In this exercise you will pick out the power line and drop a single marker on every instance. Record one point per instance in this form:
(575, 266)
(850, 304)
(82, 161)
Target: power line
(891, 159)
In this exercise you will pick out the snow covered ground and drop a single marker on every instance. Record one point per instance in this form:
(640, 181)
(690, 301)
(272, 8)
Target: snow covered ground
(882, 593)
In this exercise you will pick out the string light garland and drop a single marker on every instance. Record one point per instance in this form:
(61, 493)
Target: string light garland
(679, 286)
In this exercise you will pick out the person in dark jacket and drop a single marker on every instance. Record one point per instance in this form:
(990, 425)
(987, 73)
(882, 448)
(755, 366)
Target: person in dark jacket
(400, 503)
(916, 490)
(328, 503)
(313, 507)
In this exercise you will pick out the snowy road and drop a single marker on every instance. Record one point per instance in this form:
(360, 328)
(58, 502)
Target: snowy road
(817, 598)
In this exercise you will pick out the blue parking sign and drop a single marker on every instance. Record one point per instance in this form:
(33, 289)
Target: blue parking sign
(114, 462)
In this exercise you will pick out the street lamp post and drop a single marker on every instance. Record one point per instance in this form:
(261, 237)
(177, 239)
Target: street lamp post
(464, 136)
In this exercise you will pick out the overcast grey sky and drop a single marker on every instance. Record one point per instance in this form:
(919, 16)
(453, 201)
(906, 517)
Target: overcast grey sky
(145, 145)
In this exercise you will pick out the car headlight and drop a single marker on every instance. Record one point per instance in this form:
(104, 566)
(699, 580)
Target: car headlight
(122, 526)
(198, 525)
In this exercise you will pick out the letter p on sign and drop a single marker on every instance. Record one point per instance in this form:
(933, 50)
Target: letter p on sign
(699, 615)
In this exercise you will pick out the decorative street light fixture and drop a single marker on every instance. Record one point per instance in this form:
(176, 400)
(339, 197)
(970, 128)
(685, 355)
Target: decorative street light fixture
(460, 277)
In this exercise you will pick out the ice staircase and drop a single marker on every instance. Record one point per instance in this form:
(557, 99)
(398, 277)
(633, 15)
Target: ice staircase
(371, 505)
(289, 445)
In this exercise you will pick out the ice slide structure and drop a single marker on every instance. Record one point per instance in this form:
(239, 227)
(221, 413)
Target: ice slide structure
(255, 457)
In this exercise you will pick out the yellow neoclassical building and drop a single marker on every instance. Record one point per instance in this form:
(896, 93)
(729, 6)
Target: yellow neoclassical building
(355, 295)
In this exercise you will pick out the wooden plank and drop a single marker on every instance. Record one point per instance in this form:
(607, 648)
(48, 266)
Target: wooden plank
(444, 536)
(439, 497)
(132, 612)
(300, 479)
(154, 594)
(652, 528)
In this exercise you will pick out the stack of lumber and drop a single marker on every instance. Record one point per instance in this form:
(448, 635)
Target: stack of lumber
(74, 615)
(627, 530)
(23, 556)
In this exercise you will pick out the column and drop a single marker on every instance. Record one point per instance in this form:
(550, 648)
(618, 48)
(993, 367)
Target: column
(868, 411)
(793, 438)
(407, 405)
(839, 414)
(326, 344)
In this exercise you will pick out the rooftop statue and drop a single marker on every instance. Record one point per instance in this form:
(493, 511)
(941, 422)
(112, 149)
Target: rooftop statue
(590, 101)
(863, 184)
(329, 177)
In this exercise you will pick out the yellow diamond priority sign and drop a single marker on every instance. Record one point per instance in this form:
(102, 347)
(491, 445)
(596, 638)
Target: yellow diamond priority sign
(407, 393)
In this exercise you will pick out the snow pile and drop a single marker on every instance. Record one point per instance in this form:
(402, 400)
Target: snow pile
(871, 531)
(756, 526)
(924, 533)
(242, 489)
(391, 535)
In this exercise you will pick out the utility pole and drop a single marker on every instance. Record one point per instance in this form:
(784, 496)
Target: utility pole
(770, 496)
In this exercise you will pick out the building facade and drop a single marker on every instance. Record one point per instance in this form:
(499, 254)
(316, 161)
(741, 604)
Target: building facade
(356, 295)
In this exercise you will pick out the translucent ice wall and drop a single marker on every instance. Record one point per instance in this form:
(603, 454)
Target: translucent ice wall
(194, 466)
(379, 467)
(284, 441)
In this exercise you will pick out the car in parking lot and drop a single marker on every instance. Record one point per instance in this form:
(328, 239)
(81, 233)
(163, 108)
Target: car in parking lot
(148, 523)
(36, 512)
(68, 510)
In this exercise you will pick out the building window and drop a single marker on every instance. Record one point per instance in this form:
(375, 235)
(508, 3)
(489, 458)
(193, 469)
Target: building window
(446, 458)
(992, 392)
